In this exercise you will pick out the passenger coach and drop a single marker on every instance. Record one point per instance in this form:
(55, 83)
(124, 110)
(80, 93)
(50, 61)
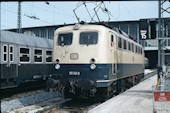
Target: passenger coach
(24, 58)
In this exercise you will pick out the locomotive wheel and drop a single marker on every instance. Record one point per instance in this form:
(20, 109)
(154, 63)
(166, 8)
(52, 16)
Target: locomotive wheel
(109, 93)
(121, 86)
(66, 91)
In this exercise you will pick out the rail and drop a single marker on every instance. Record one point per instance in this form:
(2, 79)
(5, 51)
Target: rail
(149, 74)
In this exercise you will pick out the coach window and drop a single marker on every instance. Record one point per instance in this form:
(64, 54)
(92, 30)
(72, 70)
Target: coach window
(11, 53)
(65, 39)
(24, 55)
(48, 56)
(124, 44)
(37, 55)
(88, 38)
(119, 42)
(5, 53)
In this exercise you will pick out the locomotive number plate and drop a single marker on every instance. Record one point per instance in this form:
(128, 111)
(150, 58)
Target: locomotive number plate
(74, 73)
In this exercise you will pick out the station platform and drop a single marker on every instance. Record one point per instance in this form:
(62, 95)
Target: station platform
(138, 99)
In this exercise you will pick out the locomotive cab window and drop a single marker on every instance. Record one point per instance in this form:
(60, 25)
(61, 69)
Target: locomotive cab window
(37, 55)
(48, 56)
(88, 38)
(24, 55)
(65, 39)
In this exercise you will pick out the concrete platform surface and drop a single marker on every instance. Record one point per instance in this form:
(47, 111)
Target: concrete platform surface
(138, 99)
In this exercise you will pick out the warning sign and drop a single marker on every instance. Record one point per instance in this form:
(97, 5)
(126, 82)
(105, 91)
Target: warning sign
(162, 96)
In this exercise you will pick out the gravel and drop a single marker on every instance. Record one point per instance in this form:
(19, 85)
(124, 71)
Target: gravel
(27, 100)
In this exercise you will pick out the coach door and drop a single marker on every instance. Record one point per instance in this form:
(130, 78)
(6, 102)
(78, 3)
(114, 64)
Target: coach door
(9, 67)
(114, 53)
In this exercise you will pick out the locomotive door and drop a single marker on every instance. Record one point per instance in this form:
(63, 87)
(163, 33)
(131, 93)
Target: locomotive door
(9, 67)
(114, 53)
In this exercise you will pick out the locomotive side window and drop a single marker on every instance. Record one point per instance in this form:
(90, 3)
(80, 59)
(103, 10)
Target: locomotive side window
(136, 49)
(129, 46)
(24, 55)
(65, 39)
(132, 47)
(124, 44)
(11, 53)
(5, 53)
(37, 55)
(119, 42)
(141, 51)
(48, 56)
(112, 40)
(88, 38)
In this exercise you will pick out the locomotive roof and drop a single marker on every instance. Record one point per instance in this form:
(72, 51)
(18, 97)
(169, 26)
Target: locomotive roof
(25, 40)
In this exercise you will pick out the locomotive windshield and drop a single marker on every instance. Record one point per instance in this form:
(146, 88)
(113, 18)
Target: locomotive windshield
(65, 39)
(88, 38)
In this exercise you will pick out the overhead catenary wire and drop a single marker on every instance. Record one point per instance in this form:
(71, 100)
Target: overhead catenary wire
(32, 17)
(127, 10)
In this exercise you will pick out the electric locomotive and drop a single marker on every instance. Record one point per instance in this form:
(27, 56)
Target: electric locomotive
(96, 61)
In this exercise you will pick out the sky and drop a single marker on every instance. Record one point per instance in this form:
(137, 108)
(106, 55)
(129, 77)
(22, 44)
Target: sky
(56, 13)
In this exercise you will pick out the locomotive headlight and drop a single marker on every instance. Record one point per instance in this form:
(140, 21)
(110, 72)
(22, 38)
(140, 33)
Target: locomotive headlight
(92, 66)
(57, 66)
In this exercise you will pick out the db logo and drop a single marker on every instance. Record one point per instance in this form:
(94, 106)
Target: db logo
(143, 34)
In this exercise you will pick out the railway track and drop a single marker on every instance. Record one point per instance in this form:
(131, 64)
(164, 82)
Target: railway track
(23, 89)
(72, 106)
(149, 74)
(41, 106)
(23, 94)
